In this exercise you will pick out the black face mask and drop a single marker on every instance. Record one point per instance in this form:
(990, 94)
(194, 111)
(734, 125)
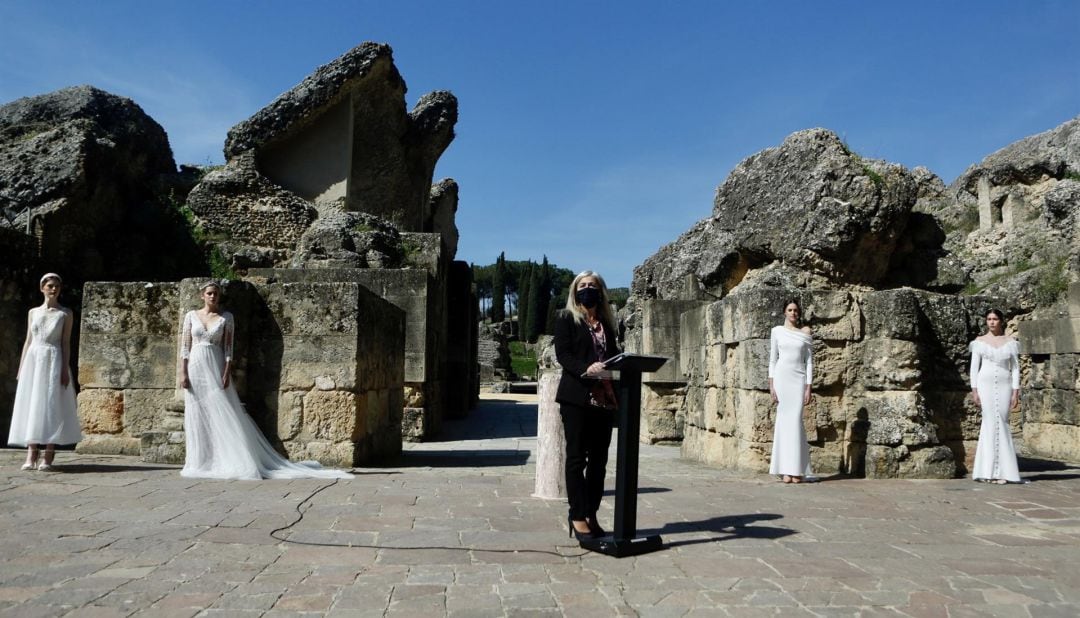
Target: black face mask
(588, 297)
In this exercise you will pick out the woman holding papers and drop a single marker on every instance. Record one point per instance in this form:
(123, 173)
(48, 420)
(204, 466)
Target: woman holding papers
(585, 337)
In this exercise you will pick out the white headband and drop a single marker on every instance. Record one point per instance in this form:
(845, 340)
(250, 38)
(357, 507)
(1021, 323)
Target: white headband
(48, 276)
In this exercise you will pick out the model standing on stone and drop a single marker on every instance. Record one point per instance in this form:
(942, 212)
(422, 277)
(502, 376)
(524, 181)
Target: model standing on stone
(222, 442)
(45, 411)
(584, 338)
(995, 387)
(790, 376)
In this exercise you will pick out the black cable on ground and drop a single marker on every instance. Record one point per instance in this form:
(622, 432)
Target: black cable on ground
(299, 506)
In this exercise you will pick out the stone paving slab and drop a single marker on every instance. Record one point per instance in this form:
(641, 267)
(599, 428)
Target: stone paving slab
(451, 530)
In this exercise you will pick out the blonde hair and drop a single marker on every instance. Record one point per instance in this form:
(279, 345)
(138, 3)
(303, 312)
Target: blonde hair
(603, 310)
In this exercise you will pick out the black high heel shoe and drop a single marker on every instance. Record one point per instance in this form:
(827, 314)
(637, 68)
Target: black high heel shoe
(580, 536)
(594, 528)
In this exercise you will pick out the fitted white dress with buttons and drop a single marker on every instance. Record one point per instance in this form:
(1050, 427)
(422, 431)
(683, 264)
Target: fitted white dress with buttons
(995, 373)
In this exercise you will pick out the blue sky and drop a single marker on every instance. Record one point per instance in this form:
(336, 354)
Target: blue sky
(592, 132)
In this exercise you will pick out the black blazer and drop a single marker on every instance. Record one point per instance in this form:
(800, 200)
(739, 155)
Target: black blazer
(575, 352)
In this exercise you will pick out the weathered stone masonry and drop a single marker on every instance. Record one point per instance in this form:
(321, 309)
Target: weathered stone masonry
(890, 380)
(319, 367)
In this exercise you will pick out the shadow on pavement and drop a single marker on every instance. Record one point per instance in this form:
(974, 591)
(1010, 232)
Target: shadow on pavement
(458, 459)
(642, 490)
(77, 468)
(732, 526)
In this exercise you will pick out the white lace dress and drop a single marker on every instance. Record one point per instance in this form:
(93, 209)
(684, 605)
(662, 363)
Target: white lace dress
(45, 411)
(221, 439)
(995, 372)
(791, 367)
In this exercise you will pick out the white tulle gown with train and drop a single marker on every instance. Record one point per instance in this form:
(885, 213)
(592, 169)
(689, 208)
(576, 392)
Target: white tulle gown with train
(791, 367)
(221, 439)
(45, 411)
(995, 373)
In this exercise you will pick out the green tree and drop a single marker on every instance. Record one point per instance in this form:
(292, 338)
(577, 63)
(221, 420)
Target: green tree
(498, 290)
(482, 276)
(537, 312)
(524, 292)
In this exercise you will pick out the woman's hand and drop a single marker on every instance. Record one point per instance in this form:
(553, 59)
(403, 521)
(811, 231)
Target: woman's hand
(65, 376)
(595, 369)
(772, 392)
(1014, 401)
(185, 383)
(225, 379)
(807, 395)
(975, 398)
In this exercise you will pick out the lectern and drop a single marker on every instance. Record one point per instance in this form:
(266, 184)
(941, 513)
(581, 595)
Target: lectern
(622, 542)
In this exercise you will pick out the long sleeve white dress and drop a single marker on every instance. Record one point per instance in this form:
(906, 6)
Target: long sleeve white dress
(995, 373)
(221, 439)
(791, 369)
(45, 412)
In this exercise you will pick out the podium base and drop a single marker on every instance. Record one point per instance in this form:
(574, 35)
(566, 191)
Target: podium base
(621, 548)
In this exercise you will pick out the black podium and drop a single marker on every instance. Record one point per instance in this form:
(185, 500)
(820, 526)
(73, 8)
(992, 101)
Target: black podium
(622, 543)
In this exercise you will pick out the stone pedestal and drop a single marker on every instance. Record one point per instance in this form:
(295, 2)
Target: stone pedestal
(550, 439)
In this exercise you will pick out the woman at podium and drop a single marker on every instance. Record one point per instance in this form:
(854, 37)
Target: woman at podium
(584, 338)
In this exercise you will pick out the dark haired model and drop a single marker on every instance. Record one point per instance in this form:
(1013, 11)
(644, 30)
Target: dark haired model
(995, 387)
(790, 376)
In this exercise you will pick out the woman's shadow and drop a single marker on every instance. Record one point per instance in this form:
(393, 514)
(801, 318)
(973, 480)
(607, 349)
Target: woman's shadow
(730, 526)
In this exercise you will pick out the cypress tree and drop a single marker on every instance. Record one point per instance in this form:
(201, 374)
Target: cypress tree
(498, 290)
(524, 304)
(537, 310)
(542, 313)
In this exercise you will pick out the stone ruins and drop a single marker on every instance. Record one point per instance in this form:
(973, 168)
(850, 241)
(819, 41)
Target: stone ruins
(356, 327)
(876, 254)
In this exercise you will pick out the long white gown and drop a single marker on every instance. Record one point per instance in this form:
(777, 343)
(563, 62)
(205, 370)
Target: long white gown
(995, 372)
(45, 411)
(791, 367)
(221, 439)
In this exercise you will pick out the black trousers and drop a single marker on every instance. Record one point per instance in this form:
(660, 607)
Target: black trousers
(588, 435)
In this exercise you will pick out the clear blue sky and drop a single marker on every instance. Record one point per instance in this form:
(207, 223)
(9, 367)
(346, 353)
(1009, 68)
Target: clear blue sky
(592, 132)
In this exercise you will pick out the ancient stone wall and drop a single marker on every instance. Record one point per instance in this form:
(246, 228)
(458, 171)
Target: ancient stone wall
(433, 346)
(663, 393)
(319, 366)
(340, 141)
(18, 292)
(462, 315)
(493, 352)
(890, 381)
(1050, 402)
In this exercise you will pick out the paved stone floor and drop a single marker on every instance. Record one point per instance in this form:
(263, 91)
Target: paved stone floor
(452, 530)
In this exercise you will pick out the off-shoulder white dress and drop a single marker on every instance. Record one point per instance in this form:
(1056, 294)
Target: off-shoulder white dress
(222, 442)
(995, 372)
(791, 367)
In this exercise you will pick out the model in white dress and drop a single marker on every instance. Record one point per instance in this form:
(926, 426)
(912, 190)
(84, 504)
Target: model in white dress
(45, 412)
(790, 377)
(222, 442)
(995, 382)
